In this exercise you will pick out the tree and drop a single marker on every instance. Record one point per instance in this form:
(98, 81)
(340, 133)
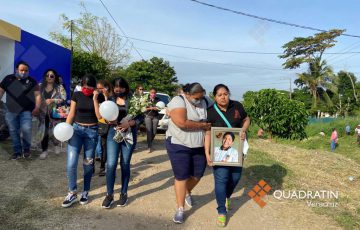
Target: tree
(94, 35)
(155, 73)
(303, 96)
(309, 50)
(84, 63)
(279, 116)
(305, 50)
(318, 79)
(346, 85)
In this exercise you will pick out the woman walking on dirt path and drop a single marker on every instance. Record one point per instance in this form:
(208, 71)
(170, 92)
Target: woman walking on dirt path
(185, 143)
(105, 90)
(52, 95)
(225, 113)
(151, 118)
(84, 112)
(123, 148)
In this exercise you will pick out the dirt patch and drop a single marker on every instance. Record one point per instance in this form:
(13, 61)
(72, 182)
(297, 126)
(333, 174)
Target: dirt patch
(32, 193)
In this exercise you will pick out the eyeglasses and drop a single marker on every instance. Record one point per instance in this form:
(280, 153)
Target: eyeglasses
(141, 89)
(51, 76)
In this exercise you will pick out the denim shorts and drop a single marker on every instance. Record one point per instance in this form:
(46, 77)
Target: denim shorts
(186, 162)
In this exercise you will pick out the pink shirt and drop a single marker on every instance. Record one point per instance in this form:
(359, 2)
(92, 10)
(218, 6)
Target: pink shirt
(334, 136)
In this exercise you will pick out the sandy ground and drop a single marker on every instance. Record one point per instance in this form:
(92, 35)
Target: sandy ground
(32, 192)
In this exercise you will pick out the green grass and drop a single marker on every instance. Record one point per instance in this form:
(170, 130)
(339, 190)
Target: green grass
(260, 165)
(347, 147)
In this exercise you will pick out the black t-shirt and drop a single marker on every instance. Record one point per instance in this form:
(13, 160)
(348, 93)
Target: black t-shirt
(19, 93)
(122, 112)
(85, 111)
(47, 95)
(152, 113)
(235, 114)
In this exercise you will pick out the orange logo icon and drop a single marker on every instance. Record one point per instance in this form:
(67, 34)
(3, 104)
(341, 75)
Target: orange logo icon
(259, 190)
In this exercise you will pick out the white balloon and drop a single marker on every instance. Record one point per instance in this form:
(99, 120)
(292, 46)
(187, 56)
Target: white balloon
(109, 110)
(160, 105)
(63, 131)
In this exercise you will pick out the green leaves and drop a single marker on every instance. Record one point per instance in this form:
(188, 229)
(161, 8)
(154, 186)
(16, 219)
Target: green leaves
(278, 115)
(302, 50)
(84, 63)
(155, 73)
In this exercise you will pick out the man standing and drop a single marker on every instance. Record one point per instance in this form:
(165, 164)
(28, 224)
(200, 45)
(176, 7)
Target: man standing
(347, 129)
(22, 101)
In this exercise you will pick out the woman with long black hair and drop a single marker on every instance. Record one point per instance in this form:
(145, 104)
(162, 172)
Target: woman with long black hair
(125, 148)
(84, 114)
(52, 94)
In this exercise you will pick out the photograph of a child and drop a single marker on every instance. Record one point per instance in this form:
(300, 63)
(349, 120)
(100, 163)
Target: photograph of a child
(227, 152)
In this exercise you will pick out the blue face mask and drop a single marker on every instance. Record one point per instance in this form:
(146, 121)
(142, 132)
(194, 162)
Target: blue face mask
(21, 75)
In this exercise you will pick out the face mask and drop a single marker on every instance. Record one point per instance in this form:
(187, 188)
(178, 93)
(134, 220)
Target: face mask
(87, 92)
(195, 102)
(22, 75)
(120, 94)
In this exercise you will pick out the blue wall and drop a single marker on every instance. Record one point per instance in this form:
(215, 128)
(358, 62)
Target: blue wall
(41, 55)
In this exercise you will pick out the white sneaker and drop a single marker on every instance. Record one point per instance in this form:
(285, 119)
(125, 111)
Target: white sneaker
(57, 150)
(43, 155)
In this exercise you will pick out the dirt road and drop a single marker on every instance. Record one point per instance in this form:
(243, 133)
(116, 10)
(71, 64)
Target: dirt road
(32, 192)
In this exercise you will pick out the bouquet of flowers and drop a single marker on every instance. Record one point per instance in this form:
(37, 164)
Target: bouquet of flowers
(137, 106)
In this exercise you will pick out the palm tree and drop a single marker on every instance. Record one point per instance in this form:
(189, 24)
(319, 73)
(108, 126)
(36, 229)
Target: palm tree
(319, 77)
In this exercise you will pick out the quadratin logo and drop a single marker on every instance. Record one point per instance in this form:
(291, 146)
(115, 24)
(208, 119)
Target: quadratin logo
(258, 191)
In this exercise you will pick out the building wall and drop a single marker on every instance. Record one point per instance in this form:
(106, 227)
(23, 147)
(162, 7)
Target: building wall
(7, 52)
(41, 55)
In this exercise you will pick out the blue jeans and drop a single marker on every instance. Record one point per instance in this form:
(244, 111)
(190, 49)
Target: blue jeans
(113, 150)
(98, 150)
(226, 179)
(20, 123)
(333, 145)
(87, 137)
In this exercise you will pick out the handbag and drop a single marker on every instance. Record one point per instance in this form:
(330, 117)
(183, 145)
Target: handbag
(58, 112)
(103, 127)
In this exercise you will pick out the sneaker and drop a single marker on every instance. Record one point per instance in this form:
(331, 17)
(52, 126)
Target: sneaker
(179, 216)
(102, 172)
(149, 150)
(189, 200)
(43, 155)
(15, 156)
(57, 150)
(84, 198)
(69, 200)
(27, 155)
(123, 200)
(108, 201)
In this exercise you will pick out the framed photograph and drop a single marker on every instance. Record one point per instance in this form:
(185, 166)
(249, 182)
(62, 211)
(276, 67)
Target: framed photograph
(226, 146)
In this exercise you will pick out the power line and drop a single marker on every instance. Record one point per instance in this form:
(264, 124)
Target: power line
(117, 24)
(220, 50)
(218, 63)
(268, 19)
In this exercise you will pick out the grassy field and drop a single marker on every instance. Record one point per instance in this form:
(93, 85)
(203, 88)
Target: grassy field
(348, 214)
(347, 147)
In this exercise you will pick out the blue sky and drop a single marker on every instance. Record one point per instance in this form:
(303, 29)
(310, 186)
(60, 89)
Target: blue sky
(184, 22)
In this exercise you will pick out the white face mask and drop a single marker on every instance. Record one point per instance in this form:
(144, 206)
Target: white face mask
(195, 102)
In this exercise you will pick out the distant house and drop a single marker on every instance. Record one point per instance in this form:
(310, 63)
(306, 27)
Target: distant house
(17, 44)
